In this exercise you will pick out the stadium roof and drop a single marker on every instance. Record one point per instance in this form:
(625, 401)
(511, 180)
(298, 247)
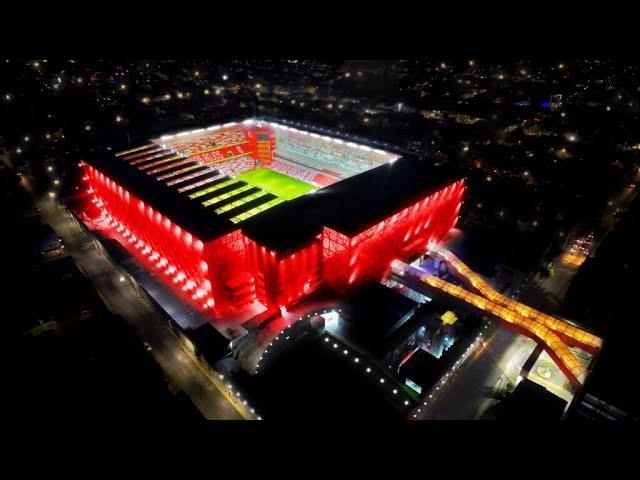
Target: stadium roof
(192, 216)
(352, 205)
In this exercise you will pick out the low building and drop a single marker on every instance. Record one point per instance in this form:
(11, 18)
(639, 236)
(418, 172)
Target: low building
(529, 401)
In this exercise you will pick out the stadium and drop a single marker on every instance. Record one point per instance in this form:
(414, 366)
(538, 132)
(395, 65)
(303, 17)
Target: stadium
(258, 213)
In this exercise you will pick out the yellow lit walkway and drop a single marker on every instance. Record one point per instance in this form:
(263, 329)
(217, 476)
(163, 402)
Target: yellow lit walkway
(566, 360)
(583, 339)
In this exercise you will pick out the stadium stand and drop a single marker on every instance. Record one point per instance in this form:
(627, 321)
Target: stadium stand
(324, 154)
(236, 166)
(293, 170)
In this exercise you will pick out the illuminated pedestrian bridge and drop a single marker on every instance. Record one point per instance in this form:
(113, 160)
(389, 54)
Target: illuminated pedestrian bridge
(554, 334)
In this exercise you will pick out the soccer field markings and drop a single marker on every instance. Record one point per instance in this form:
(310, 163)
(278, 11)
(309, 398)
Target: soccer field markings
(276, 183)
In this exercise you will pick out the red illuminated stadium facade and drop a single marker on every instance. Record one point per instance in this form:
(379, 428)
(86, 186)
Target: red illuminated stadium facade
(260, 212)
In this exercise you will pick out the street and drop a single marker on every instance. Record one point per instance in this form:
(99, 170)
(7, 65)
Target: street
(469, 392)
(124, 297)
(548, 293)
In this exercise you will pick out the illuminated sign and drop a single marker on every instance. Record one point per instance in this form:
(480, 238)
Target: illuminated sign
(413, 385)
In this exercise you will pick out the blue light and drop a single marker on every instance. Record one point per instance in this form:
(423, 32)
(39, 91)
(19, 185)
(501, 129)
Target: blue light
(546, 104)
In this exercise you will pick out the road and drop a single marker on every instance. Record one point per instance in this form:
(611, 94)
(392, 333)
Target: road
(124, 297)
(548, 293)
(468, 393)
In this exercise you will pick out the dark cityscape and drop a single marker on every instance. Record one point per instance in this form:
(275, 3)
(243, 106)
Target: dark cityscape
(280, 239)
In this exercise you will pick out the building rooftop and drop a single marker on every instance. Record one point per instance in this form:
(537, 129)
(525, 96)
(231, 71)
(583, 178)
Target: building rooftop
(422, 368)
(209, 343)
(529, 401)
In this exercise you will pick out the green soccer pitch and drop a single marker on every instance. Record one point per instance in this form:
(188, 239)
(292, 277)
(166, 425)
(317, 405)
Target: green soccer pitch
(276, 183)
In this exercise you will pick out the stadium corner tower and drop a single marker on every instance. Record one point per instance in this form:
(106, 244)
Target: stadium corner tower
(256, 211)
